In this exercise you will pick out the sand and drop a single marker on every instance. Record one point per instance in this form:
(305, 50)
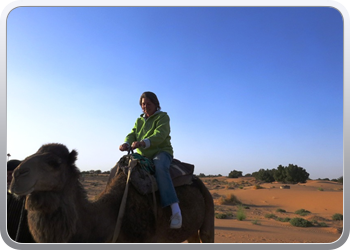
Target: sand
(321, 198)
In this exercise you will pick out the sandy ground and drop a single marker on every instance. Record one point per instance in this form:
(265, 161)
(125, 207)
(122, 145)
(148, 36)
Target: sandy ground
(322, 199)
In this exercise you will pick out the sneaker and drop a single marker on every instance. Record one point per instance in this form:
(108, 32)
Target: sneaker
(176, 221)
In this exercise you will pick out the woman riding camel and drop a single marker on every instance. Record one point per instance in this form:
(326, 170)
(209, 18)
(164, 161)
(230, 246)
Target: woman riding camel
(151, 137)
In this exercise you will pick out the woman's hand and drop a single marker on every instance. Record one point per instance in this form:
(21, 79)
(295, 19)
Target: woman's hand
(138, 144)
(124, 147)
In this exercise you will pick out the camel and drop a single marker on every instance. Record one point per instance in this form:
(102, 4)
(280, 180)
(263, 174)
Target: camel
(60, 212)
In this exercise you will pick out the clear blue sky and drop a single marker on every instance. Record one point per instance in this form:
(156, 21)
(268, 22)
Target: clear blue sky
(245, 88)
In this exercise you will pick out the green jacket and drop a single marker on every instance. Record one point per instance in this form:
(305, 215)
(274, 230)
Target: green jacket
(155, 131)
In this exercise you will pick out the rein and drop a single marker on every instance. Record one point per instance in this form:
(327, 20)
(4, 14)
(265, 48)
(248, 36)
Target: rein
(133, 161)
(131, 165)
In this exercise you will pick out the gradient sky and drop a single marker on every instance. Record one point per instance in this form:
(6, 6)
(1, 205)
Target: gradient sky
(246, 88)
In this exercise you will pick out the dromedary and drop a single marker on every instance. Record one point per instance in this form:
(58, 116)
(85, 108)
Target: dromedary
(59, 211)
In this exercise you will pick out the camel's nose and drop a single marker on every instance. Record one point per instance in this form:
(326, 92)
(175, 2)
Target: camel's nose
(21, 172)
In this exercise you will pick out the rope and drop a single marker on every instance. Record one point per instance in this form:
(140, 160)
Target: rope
(144, 162)
(147, 165)
(132, 164)
(21, 220)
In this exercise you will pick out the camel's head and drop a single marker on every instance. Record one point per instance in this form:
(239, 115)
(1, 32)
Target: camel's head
(46, 170)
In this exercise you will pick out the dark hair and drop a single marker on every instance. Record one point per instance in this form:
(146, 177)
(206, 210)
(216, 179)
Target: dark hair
(12, 164)
(152, 97)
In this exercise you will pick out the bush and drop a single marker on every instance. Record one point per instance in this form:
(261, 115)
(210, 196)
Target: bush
(257, 187)
(286, 219)
(290, 174)
(302, 212)
(241, 213)
(270, 216)
(256, 222)
(322, 224)
(318, 224)
(337, 217)
(264, 175)
(280, 210)
(229, 200)
(340, 180)
(230, 185)
(235, 174)
(223, 216)
(300, 222)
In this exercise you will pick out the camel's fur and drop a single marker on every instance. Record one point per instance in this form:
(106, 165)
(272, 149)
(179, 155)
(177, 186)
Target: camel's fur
(59, 211)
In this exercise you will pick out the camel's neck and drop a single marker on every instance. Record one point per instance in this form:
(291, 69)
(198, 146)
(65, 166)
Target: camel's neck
(53, 216)
(68, 216)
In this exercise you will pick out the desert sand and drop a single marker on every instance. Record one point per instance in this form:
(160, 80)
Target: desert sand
(321, 198)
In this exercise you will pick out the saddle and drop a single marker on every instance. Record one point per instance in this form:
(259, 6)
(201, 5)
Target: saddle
(140, 173)
(142, 176)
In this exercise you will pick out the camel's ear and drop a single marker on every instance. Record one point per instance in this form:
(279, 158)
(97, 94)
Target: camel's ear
(73, 156)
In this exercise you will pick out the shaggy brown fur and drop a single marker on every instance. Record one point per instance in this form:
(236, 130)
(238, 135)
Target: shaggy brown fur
(59, 211)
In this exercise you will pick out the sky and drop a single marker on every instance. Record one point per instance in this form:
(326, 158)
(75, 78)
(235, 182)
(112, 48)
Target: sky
(246, 88)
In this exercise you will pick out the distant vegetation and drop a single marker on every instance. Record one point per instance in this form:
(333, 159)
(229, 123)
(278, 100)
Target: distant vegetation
(235, 174)
(285, 174)
(290, 174)
(241, 215)
(337, 217)
(230, 199)
(302, 212)
(301, 222)
(340, 179)
(95, 172)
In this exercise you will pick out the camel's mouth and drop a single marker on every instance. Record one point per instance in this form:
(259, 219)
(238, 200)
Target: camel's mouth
(17, 190)
(22, 193)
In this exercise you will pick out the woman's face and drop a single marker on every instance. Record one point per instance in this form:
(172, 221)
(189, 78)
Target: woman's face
(148, 107)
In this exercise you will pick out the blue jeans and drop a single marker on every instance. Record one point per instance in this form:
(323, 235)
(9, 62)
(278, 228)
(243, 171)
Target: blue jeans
(166, 188)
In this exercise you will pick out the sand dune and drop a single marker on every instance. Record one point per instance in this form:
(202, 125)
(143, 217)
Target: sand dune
(322, 199)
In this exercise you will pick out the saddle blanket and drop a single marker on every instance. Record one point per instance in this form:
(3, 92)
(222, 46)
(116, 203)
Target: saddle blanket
(142, 176)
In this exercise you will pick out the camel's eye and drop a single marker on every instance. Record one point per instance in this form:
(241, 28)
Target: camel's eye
(54, 161)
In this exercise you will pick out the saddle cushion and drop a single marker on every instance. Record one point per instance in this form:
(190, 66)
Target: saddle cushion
(144, 180)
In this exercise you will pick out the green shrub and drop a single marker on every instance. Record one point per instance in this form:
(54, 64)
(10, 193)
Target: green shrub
(290, 174)
(241, 213)
(300, 222)
(322, 224)
(320, 189)
(286, 219)
(280, 210)
(319, 224)
(302, 212)
(270, 216)
(337, 217)
(223, 216)
(264, 175)
(256, 222)
(235, 174)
